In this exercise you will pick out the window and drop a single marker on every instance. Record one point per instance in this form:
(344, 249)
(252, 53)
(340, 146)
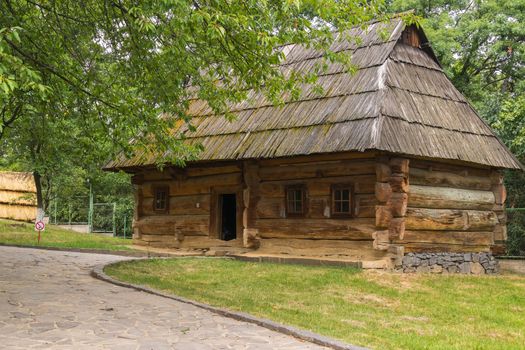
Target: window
(161, 199)
(342, 200)
(295, 200)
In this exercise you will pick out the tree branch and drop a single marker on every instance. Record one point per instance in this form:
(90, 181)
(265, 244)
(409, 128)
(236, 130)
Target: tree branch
(49, 9)
(53, 71)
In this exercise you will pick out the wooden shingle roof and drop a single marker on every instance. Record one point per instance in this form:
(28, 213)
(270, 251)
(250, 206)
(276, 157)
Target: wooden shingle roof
(398, 101)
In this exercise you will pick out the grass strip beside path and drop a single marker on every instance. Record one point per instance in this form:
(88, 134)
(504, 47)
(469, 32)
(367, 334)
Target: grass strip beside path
(367, 308)
(20, 233)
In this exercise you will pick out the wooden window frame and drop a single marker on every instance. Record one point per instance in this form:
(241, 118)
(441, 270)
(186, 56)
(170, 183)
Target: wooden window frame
(338, 187)
(305, 208)
(166, 189)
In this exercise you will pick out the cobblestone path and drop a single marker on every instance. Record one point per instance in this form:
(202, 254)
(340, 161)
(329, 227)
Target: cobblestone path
(48, 300)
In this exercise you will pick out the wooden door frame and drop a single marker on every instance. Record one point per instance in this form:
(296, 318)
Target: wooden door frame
(216, 210)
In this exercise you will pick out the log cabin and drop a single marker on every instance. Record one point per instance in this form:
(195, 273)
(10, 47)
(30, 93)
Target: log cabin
(390, 167)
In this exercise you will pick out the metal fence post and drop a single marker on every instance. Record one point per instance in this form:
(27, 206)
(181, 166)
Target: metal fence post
(55, 205)
(90, 209)
(125, 222)
(114, 219)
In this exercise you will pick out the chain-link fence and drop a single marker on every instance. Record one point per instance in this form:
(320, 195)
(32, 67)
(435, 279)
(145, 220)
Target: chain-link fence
(74, 211)
(108, 218)
(516, 231)
(103, 218)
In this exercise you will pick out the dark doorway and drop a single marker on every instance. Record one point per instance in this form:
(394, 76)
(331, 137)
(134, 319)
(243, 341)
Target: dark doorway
(228, 217)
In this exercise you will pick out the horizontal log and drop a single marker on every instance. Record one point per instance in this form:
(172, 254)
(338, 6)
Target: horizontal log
(194, 171)
(196, 185)
(449, 168)
(189, 242)
(181, 205)
(164, 238)
(139, 242)
(317, 170)
(270, 208)
(481, 220)
(316, 158)
(447, 219)
(449, 198)
(444, 248)
(206, 242)
(446, 179)
(189, 225)
(357, 229)
(16, 197)
(156, 175)
(365, 205)
(17, 212)
(358, 250)
(318, 207)
(479, 238)
(362, 184)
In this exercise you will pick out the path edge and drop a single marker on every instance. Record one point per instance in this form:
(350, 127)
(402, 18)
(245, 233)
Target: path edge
(127, 253)
(98, 273)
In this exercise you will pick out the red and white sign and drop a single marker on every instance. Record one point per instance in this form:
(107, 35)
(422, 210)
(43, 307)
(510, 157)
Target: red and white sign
(40, 226)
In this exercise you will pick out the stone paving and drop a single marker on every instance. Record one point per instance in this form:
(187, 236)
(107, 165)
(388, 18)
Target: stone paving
(48, 300)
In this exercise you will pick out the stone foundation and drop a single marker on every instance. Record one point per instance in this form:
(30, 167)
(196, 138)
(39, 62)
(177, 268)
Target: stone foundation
(465, 263)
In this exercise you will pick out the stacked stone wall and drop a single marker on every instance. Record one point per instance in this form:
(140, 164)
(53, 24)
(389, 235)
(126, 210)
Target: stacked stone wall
(464, 263)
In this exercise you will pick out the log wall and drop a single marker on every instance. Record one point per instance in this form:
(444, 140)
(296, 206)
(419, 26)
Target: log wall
(401, 205)
(453, 208)
(263, 223)
(318, 232)
(189, 220)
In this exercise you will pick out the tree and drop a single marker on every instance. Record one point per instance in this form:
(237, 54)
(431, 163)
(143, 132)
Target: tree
(78, 74)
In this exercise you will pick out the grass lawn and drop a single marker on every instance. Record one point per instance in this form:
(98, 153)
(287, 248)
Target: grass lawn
(368, 308)
(13, 232)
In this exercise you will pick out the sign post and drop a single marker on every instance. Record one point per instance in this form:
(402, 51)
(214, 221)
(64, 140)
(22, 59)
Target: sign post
(39, 223)
(39, 226)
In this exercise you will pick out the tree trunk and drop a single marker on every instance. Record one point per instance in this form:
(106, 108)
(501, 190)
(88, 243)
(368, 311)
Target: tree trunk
(39, 196)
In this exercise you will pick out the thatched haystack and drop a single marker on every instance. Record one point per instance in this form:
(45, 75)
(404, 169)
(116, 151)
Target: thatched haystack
(17, 196)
